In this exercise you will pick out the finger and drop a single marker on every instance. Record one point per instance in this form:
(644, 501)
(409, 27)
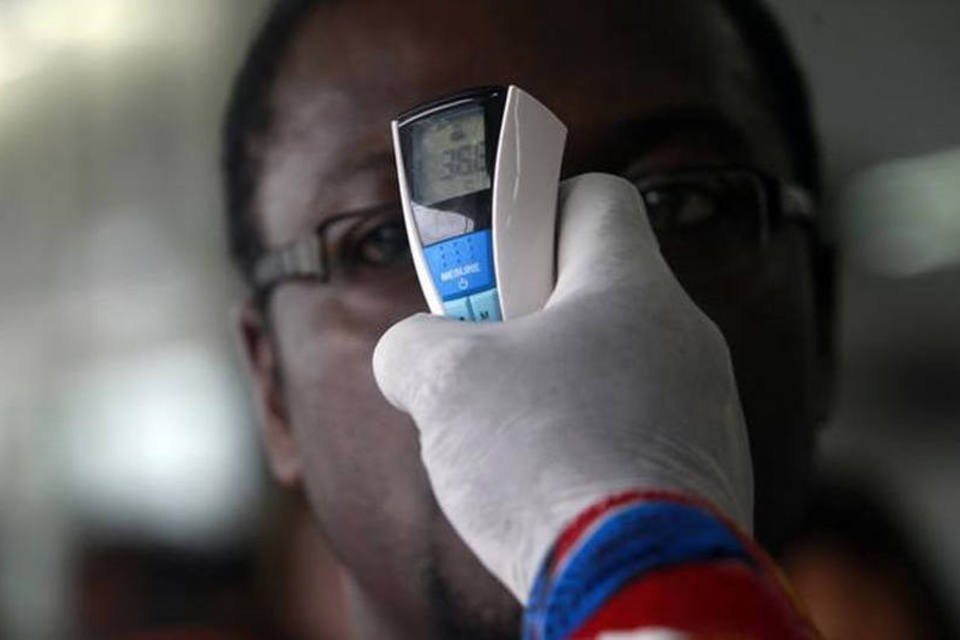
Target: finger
(603, 230)
(417, 355)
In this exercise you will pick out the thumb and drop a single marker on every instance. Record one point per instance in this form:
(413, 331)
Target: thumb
(604, 233)
(418, 354)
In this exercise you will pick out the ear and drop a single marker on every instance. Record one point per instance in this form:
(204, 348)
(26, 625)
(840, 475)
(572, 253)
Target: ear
(261, 354)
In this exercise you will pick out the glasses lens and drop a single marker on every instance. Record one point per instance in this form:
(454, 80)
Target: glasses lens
(706, 223)
(368, 242)
(382, 246)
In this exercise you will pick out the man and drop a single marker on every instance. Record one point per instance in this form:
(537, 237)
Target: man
(647, 89)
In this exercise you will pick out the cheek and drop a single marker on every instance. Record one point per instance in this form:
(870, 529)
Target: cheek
(766, 312)
(360, 456)
(767, 316)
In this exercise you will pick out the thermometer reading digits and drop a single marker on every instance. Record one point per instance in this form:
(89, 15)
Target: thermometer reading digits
(479, 173)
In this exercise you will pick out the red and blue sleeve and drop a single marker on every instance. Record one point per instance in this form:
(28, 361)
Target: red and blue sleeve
(641, 562)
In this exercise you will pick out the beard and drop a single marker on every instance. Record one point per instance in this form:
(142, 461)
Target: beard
(466, 602)
(457, 615)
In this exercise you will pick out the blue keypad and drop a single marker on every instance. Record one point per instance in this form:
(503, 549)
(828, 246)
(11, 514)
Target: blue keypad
(459, 309)
(485, 306)
(461, 266)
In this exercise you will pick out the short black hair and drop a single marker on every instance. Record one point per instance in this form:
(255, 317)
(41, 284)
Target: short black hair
(249, 116)
(786, 86)
(248, 119)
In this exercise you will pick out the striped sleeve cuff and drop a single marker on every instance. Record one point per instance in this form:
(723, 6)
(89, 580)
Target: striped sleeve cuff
(654, 560)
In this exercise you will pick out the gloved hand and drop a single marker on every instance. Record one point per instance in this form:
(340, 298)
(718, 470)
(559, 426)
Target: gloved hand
(619, 383)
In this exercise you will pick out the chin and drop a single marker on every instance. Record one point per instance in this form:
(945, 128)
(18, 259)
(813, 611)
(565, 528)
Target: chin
(466, 601)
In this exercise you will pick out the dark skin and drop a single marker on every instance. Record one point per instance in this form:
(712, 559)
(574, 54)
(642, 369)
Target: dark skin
(670, 89)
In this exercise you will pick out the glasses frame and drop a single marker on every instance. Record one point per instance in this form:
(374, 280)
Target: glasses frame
(308, 257)
(781, 201)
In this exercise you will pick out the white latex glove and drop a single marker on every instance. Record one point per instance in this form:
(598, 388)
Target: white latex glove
(619, 383)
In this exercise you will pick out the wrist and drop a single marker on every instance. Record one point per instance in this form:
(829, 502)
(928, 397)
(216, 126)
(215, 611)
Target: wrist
(638, 542)
(618, 539)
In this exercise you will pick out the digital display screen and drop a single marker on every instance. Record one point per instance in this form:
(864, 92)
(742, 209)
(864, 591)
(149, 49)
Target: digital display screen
(448, 154)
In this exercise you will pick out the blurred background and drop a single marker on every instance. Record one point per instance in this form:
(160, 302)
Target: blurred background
(132, 492)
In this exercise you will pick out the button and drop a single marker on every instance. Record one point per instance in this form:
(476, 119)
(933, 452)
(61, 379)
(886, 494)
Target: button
(459, 309)
(463, 265)
(486, 306)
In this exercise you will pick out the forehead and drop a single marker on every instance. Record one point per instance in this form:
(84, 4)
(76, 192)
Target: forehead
(604, 68)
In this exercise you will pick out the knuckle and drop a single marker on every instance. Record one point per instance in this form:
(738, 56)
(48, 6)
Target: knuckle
(447, 360)
(712, 339)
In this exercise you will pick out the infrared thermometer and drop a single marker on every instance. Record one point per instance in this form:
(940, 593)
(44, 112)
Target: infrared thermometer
(479, 174)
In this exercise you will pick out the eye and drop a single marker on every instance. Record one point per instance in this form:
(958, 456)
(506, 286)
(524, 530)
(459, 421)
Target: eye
(679, 209)
(384, 244)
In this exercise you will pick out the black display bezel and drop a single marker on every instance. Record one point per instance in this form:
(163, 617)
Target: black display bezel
(492, 100)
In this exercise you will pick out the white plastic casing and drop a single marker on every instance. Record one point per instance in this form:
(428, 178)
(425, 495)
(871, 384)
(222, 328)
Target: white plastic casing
(525, 186)
(523, 208)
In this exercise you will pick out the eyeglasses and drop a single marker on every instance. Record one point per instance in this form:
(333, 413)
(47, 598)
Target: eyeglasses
(345, 243)
(703, 219)
(710, 221)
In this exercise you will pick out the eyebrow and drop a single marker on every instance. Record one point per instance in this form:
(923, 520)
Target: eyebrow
(632, 138)
(627, 141)
(351, 166)
(375, 160)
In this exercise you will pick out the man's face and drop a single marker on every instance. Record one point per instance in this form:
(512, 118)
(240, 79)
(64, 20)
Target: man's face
(670, 89)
